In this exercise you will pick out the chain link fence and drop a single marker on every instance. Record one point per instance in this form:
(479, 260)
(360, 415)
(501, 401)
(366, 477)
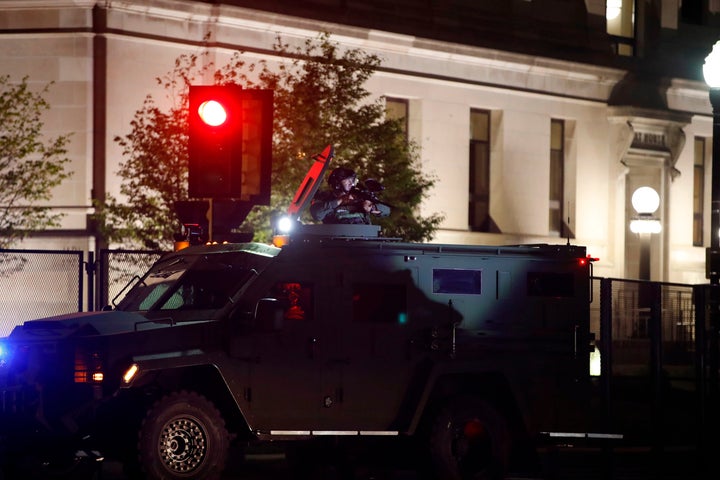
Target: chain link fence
(45, 283)
(37, 284)
(117, 269)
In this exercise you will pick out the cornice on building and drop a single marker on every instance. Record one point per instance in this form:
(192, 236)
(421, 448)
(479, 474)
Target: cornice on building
(689, 96)
(46, 4)
(232, 27)
(239, 28)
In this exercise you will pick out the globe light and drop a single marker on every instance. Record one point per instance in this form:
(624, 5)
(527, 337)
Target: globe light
(711, 67)
(645, 200)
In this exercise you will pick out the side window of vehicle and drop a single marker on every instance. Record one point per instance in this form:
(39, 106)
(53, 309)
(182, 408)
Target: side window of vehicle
(379, 303)
(153, 296)
(296, 299)
(191, 296)
(457, 280)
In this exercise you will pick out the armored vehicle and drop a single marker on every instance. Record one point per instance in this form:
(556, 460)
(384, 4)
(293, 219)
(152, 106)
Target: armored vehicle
(477, 349)
(471, 352)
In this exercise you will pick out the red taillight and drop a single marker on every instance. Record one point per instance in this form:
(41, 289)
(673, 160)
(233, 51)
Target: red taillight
(584, 261)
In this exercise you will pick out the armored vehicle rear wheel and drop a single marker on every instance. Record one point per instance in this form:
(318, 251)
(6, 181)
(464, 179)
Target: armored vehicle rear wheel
(470, 439)
(183, 436)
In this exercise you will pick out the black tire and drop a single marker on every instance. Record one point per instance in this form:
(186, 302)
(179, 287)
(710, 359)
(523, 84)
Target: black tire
(470, 439)
(183, 436)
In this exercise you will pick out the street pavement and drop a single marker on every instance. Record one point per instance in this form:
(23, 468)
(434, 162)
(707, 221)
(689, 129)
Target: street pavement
(564, 463)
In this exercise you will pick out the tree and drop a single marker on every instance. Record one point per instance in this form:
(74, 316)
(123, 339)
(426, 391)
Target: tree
(319, 99)
(30, 167)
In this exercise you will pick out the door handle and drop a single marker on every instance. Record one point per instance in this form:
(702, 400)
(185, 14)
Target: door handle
(575, 341)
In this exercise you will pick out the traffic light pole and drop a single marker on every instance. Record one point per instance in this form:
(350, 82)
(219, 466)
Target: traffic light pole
(210, 220)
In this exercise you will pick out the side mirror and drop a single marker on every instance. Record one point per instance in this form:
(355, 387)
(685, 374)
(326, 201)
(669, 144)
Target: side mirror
(269, 313)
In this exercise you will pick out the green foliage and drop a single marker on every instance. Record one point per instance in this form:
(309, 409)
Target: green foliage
(319, 99)
(29, 167)
(154, 177)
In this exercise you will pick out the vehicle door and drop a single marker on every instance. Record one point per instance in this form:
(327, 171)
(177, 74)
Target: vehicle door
(284, 359)
(554, 321)
(367, 374)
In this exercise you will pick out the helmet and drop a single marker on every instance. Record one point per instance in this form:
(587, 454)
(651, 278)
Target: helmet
(338, 175)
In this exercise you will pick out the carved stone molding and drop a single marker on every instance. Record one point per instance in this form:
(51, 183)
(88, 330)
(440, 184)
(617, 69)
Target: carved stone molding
(657, 136)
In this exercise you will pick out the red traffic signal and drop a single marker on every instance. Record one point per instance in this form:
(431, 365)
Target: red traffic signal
(230, 143)
(212, 113)
(215, 141)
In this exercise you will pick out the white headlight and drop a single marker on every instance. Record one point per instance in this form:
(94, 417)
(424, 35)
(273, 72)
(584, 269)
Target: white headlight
(284, 225)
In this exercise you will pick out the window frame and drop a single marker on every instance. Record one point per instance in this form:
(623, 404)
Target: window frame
(479, 165)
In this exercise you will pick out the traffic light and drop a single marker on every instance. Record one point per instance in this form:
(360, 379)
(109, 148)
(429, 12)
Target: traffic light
(257, 145)
(230, 143)
(215, 141)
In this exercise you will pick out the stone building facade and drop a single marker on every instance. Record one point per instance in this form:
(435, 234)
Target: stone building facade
(539, 118)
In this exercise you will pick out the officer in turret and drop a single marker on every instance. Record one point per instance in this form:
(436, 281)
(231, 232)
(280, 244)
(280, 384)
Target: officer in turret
(343, 203)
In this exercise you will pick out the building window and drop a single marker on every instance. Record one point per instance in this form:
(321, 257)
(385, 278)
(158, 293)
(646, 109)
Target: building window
(713, 6)
(557, 176)
(620, 16)
(691, 11)
(479, 208)
(698, 191)
(397, 109)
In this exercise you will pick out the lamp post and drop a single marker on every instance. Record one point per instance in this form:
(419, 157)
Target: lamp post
(645, 201)
(711, 72)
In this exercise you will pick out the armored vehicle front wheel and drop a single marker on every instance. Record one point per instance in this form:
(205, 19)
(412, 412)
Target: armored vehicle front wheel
(183, 436)
(470, 439)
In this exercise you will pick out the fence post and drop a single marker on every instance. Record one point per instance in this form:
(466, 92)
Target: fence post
(103, 275)
(699, 296)
(606, 361)
(90, 270)
(711, 376)
(606, 336)
(656, 365)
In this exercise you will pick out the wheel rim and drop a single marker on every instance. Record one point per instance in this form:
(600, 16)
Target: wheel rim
(471, 447)
(182, 445)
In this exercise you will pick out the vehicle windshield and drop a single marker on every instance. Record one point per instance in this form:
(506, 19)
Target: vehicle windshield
(192, 282)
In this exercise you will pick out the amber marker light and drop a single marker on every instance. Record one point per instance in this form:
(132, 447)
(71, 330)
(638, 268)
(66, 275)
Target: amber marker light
(130, 373)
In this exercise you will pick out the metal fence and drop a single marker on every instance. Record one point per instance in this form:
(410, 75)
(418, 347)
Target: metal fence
(44, 283)
(650, 356)
(117, 268)
(38, 283)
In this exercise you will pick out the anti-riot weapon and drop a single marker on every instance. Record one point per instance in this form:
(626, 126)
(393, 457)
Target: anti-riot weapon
(368, 190)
